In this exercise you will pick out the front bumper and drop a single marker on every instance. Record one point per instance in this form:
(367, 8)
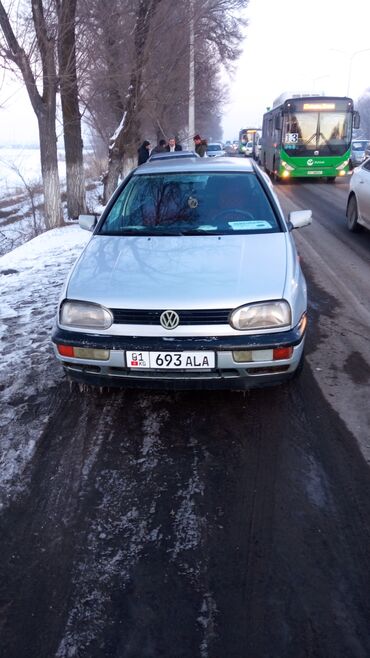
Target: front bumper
(228, 374)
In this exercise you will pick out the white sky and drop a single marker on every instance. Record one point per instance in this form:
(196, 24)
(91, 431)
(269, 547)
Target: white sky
(290, 46)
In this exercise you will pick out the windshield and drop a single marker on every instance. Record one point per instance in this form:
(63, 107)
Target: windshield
(326, 132)
(213, 147)
(360, 145)
(191, 204)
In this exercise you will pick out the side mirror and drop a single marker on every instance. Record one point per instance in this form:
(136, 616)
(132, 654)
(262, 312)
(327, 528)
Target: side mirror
(87, 222)
(356, 120)
(299, 218)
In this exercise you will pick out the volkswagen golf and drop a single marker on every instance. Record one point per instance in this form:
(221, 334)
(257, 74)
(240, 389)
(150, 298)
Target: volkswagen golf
(191, 279)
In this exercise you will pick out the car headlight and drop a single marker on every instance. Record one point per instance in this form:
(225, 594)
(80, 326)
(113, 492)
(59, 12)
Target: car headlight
(264, 315)
(85, 314)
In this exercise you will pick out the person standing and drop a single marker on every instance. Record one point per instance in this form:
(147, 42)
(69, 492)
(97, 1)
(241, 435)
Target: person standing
(200, 145)
(143, 152)
(173, 146)
(160, 148)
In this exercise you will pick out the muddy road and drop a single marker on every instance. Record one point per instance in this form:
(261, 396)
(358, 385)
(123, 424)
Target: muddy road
(210, 524)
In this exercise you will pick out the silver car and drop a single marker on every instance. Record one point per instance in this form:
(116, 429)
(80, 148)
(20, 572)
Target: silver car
(358, 203)
(190, 280)
(215, 150)
(358, 152)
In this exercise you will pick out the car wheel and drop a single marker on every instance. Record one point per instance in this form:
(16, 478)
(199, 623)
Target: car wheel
(352, 215)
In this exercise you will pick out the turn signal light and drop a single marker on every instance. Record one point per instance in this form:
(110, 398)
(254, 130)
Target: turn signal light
(282, 353)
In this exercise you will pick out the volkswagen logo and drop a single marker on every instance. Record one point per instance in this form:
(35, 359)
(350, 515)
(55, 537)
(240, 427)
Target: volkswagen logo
(169, 319)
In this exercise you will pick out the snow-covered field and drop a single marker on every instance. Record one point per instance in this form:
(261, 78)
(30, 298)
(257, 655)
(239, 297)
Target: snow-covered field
(31, 277)
(23, 164)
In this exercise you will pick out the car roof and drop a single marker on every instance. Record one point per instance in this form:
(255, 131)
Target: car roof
(170, 155)
(196, 164)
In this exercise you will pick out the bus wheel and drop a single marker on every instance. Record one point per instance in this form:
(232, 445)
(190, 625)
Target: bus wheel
(330, 179)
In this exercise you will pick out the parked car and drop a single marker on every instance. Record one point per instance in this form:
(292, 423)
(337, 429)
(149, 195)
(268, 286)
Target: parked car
(215, 150)
(358, 152)
(190, 280)
(358, 203)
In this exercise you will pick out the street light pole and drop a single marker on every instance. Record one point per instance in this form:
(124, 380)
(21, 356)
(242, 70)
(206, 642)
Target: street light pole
(350, 57)
(191, 77)
(357, 52)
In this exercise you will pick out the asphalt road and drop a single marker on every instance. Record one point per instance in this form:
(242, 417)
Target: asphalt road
(210, 525)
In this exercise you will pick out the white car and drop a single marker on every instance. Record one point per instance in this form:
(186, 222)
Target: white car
(358, 204)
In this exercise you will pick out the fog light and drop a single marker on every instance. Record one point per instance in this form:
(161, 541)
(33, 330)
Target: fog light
(285, 174)
(342, 173)
(89, 353)
(252, 355)
(242, 355)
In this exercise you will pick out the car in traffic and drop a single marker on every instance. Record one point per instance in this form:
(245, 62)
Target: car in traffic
(358, 152)
(215, 150)
(246, 149)
(358, 202)
(191, 279)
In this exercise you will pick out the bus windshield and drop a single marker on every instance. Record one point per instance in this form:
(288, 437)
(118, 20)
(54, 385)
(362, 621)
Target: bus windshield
(329, 133)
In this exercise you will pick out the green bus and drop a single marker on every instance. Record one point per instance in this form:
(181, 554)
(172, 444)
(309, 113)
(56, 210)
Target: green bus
(308, 137)
(248, 136)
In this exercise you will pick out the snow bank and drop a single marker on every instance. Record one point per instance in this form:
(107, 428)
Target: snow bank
(31, 277)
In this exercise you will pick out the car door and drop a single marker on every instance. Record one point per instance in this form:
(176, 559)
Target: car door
(363, 192)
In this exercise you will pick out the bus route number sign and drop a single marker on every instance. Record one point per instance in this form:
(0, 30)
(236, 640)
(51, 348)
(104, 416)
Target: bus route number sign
(291, 138)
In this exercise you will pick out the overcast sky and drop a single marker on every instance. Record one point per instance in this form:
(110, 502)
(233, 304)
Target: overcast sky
(290, 45)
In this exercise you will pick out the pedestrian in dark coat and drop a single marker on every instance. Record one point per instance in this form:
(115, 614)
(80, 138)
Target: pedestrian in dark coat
(173, 146)
(161, 147)
(143, 152)
(200, 145)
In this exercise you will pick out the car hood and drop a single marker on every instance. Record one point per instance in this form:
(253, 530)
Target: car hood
(180, 272)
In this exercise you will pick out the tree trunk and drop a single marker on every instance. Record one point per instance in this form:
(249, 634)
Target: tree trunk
(43, 104)
(49, 169)
(114, 172)
(70, 109)
(129, 122)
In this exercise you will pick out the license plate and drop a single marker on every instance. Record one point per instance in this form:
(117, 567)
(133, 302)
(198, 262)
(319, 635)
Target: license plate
(171, 360)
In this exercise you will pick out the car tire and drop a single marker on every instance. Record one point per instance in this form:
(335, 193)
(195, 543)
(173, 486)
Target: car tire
(352, 215)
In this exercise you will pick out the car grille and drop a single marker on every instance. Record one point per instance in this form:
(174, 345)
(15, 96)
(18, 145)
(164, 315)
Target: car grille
(187, 317)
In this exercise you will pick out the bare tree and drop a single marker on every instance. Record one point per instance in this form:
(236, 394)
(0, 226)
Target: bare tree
(363, 106)
(44, 104)
(66, 10)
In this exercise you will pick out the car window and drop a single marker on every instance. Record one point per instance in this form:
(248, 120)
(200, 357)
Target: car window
(207, 203)
(214, 147)
(367, 165)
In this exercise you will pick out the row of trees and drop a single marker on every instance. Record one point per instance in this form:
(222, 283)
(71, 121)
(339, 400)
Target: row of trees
(122, 65)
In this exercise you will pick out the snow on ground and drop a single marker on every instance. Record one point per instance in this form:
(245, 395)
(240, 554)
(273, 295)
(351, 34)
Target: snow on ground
(31, 277)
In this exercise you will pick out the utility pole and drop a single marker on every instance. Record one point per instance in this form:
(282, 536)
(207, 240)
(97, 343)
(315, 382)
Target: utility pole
(191, 77)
